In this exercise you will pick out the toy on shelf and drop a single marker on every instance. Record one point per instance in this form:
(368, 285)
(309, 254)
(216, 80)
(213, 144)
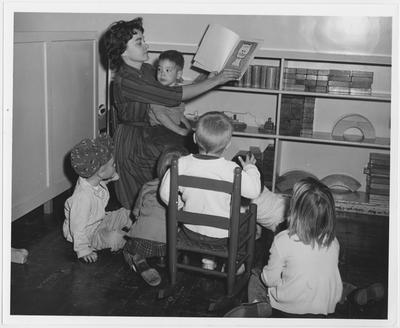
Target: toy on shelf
(269, 127)
(341, 182)
(353, 121)
(286, 182)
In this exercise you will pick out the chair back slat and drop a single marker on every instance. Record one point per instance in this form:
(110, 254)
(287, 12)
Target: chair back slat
(203, 219)
(205, 183)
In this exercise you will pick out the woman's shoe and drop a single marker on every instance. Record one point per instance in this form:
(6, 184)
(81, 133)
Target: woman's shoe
(362, 296)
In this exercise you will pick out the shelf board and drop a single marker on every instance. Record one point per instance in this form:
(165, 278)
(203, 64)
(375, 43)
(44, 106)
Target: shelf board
(372, 97)
(249, 90)
(326, 137)
(191, 48)
(318, 137)
(383, 97)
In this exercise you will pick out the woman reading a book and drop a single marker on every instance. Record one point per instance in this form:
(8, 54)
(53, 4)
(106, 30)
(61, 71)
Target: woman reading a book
(137, 144)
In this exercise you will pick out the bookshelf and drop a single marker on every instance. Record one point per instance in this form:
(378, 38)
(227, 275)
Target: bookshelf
(348, 156)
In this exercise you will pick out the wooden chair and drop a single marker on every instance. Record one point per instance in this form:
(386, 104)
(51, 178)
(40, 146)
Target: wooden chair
(241, 229)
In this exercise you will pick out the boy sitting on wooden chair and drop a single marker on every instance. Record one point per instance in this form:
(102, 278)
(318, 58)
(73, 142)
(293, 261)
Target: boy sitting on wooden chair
(213, 135)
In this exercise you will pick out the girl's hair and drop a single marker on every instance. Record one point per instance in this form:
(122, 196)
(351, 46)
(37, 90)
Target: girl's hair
(116, 38)
(166, 157)
(213, 132)
(312, 213)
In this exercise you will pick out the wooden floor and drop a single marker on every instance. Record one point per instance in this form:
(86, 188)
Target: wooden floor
(53, 282)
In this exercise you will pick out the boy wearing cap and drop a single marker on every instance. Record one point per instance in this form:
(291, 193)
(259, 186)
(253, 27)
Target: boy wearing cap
(87, 225)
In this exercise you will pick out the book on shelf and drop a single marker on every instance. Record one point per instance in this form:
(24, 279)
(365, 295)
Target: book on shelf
(360, 91)
(221, 48)
(339, 72)
(361, 84)
(379, 186)
(380, 156)
(376, 174)
(362, 74)
(378, 180)
(333, 83)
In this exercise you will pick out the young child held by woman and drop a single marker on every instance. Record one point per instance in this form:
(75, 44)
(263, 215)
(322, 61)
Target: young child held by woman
(169, 73)
(148, 232)
(87, 225)
(212, 135)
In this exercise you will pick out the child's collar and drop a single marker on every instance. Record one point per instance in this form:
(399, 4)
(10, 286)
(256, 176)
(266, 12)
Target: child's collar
(205, 156)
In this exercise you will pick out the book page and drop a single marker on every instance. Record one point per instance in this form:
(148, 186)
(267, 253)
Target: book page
(215, 47)
(242, 55)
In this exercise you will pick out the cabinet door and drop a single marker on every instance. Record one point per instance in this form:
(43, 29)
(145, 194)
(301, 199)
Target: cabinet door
(30, 177)
(71, 102)
(55, 100)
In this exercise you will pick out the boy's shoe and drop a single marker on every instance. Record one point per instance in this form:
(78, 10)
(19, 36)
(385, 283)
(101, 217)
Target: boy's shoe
(238, 272)
(374, 292)
(140, 265)
(251, 310)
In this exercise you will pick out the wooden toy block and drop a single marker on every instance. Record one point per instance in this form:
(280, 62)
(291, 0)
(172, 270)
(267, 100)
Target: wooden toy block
(341, 181)
(353, 121)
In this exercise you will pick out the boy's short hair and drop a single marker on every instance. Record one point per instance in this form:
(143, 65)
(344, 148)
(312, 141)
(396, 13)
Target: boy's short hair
(213, 132)
(173, 56)
(166, 157)
(90, 154)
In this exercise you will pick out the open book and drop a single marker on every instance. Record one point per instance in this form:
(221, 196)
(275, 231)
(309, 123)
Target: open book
(222, 48)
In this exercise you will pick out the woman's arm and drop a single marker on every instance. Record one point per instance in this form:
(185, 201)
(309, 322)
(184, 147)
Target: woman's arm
(164, 119)
(186, 122)
(192, 90)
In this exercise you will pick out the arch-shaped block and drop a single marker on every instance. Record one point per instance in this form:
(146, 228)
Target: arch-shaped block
(355, 121)
(341, 181)
(286, 181)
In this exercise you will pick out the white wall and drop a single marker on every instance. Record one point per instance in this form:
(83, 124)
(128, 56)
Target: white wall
(346, 35)
(338, 35)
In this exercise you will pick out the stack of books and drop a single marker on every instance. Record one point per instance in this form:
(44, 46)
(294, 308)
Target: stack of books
(297, 116)
(268, 165)
(339, 81)
(307, 121)
(260, 77)
(325, 80)
(361, 83)
(293, 79)
(378, 178)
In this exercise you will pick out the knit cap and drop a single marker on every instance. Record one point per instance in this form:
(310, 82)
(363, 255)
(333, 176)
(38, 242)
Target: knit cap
(90, 154)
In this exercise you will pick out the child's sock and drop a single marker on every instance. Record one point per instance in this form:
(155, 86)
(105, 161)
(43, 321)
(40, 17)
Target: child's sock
(208, 263)
(19, 255)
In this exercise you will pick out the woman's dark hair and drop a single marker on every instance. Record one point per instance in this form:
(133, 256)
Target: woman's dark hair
(112, 43)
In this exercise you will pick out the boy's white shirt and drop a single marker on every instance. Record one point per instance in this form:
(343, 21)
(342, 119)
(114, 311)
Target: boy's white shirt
(84, 211)
(215, 203)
